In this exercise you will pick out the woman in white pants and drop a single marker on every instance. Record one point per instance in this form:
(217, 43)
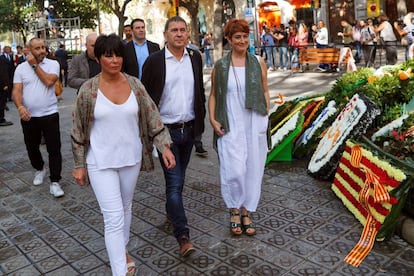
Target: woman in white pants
(115, 124)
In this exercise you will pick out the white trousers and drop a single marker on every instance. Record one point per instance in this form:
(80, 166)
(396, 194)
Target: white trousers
(114, 190)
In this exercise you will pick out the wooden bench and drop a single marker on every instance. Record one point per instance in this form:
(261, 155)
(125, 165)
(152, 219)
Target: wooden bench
(320, 55)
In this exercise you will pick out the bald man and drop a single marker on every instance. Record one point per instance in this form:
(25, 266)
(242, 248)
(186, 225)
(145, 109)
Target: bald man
(84, 66)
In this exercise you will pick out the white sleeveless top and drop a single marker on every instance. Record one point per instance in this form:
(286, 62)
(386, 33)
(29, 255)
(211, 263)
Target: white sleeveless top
(387, 33)
(115, 140)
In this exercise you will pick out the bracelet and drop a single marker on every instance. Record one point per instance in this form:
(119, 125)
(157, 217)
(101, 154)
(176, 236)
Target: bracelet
(20, 107)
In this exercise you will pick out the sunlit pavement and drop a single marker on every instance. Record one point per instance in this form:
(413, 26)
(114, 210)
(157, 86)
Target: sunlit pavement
(302, 228)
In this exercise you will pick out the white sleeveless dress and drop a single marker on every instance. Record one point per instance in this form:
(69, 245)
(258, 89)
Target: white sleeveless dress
(242, 151)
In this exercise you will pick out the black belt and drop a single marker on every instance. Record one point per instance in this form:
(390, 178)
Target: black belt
(180, 125)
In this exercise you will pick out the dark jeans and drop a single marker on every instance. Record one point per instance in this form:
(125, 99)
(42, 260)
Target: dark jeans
(322, 65)
(183, 140)
(49, 127)
(63, 76)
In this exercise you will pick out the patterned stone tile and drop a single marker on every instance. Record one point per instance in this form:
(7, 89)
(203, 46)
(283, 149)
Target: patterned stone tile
(40, 253)
(182, 269)
(202, 261)
(87, 263)
(295, 230)
(30, 245)
(407, 256)
(279, 240)
(223, 269)
(8, 221)
(72, 254)
(399, 268)
(76, 228)
(318, 238)
(67, 221)
(164, 262)
(49, 264)
(327, 259)
(86, 236)
(273, 222)
(64, 270)
(362, 270)
(62, 245)
(147, 252)
(26, 271)
(54, 236)
(14, 264)
(285, 260)
(153, 235)
(266, 269)
(309, 268)
(22, 238)
(103, 270)
(222, 251)
(4, 243)
(244, 262)
(301, 248)
(95, 245)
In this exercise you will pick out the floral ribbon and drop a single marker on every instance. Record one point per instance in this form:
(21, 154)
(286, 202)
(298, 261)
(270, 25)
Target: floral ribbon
(380, 195)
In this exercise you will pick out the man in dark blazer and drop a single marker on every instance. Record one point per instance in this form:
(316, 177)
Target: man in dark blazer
(138, 49)
(174, 79)
(7, 57)
(4, 88)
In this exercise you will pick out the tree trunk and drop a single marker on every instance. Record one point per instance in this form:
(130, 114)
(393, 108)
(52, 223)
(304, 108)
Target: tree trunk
(218, 29)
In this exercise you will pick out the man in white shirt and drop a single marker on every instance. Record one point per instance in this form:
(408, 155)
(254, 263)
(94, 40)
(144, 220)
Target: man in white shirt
(173, 78)
(35, 99)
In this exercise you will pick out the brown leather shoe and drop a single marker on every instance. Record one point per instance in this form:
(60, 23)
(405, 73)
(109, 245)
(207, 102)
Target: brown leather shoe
(186, 248)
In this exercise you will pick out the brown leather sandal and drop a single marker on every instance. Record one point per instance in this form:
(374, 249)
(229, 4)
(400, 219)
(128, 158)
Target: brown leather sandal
(248, 228)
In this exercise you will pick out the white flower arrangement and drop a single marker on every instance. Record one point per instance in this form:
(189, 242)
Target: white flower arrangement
(327, 112)
(385, 130)
(337, 133)
(283, 131)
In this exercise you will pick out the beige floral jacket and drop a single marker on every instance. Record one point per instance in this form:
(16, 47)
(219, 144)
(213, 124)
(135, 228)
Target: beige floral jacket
(152, 130)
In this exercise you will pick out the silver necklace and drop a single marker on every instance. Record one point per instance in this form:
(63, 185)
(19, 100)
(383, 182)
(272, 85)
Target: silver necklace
(238, 85)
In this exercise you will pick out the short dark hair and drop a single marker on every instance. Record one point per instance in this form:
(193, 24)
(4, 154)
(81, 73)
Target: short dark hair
(235, 25)
(108, 45)
(127, 25)
(137, 20)
(174, 19)
(62, 46)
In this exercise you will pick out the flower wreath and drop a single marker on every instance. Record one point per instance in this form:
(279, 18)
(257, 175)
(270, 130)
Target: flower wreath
(353, 121)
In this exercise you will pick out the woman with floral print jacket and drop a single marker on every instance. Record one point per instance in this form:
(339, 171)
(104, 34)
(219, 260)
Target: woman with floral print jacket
(115, 124)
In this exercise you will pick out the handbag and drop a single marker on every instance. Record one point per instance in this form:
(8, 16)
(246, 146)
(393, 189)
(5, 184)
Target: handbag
(58, 88)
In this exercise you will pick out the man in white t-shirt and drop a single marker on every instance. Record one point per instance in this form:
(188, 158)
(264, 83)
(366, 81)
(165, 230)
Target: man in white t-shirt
(35, 99)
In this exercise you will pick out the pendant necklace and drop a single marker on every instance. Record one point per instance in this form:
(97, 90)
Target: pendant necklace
(236, 77)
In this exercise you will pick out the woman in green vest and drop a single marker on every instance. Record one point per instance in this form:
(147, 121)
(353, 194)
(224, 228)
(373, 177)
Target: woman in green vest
(238, 107)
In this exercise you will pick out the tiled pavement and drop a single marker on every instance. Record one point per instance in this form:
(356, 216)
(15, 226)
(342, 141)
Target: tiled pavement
(303, 229)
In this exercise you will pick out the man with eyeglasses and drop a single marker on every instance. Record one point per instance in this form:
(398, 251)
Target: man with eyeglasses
(174, 79)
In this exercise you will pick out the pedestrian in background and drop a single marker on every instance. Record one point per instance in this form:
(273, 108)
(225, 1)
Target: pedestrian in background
(128, 33)
(4, 87)
(84, 66)
(138, 50)
(406, 31)
(367, 43)
(174, 79)
(36, 102)
(62, 57)
(115, 123)
(387, 38)
(238, 108)
(207, 46)
(7, 57)
(321, 41)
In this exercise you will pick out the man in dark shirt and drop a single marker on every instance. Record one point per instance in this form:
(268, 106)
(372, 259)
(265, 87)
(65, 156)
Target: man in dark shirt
(62, 56)
(281, 36)
(84, 66)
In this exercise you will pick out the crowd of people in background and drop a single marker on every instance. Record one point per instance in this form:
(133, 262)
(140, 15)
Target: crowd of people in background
(364, 36)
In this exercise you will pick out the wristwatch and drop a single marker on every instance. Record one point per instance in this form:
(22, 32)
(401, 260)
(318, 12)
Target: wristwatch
(34, 66)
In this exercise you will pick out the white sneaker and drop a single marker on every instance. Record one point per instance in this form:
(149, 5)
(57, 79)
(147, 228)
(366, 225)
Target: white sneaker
(39, 175)
(56, 190)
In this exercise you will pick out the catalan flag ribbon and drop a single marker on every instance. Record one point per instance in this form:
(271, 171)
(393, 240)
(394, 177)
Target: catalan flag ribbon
(363, 183)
